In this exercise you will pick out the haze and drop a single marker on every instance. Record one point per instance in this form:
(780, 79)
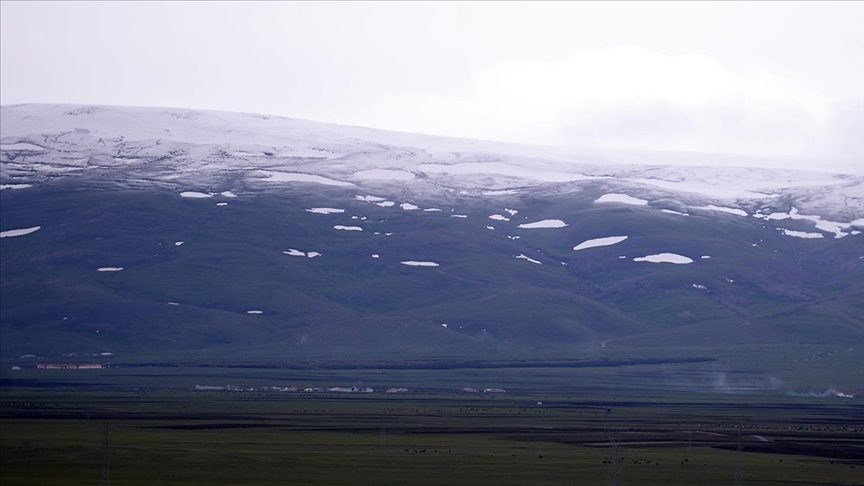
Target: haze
(772, 79)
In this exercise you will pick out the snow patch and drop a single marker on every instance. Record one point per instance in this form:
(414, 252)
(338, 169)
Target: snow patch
(195, 195)
(409, 207)
(499, 217)
(15, 186)
(737, 212)
(412, 263)
(375, 255)
(222, 204)
(325, 210)
(665, 258)
(607, 241)
(674, 212)
(228, 194)
(254, 312)
(19, 232)
(109, 269)
(459, 216)
(178, 243)
(347, 228)
(386, 204)
(546, 223)
(511, 211)
(700, 287)
(293, 252)
(522, 256)
(801, 234)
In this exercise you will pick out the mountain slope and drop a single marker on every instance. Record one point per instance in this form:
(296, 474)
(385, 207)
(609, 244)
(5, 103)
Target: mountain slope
(175, 230)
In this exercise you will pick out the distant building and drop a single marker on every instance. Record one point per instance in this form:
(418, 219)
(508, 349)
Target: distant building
(69, 366)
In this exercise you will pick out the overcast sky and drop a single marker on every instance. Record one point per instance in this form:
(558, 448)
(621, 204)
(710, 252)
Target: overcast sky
(761, 78)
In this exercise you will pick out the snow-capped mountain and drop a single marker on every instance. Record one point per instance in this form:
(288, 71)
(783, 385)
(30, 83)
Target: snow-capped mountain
(142, 228)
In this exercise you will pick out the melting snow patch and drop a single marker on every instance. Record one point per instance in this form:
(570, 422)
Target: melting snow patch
(622, 199)
(499, 217)
(15, 186)
(228, 194)
(386, 204)
(385, 175)
(313, 254)
(109, 269)
(173, 303)
(375, 255)
(801, 234)
(737, 212)
(824, 225)
(444, 325)
(347, 228)
(325, 210)
(546, 223)
(674, 212)
(511, 211)
(409, 207)
(700, 287)
(273, 176)
(195, 195)
(665, 258)
(18, 232)
(490, 228)
(609, 240)
(523, 257)
(222, 204)
(505, 192)
(458, 215)
(622, 257)
(254, 312)
(705, 257)
(412, 263)
(293, 252)
(432, 210)
(178, 243)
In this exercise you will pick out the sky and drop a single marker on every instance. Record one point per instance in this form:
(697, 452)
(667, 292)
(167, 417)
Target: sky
(775, 79)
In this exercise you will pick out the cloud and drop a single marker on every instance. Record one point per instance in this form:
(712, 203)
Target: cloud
(632, 97)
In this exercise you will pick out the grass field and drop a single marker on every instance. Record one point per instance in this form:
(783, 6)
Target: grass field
(555, 426)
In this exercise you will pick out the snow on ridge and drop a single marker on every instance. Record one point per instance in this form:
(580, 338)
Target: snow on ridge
(369, 198)
(19, 232)
(278, 176)
(621, 199)
(504, 169)
(413, 263)
(669, 211)
(665, 258)
(384, 175)
(522, 256)
(325, 210)
(21, 147)
(546, 223)
(227, 194)
(598, 242)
